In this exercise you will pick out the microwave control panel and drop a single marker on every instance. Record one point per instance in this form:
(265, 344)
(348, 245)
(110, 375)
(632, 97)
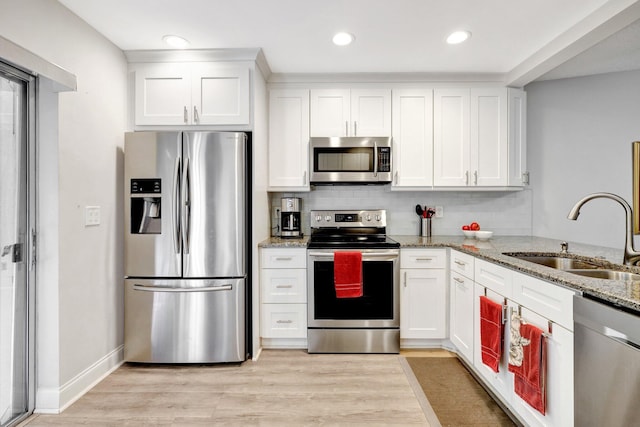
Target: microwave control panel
(384, 159)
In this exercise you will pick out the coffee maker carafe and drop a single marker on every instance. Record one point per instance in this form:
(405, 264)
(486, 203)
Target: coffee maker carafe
(290, 217)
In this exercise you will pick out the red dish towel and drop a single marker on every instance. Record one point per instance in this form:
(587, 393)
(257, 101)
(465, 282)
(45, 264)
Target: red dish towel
(530, 378)
(491, 332)
(347, 274)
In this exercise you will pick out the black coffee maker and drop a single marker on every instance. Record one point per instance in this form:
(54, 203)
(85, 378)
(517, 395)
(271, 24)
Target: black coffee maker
(290, 217)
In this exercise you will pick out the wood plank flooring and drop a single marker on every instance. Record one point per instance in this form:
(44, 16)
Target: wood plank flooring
(284, 387)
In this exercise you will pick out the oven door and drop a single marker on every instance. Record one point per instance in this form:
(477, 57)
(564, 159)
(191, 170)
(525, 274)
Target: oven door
(377, 308)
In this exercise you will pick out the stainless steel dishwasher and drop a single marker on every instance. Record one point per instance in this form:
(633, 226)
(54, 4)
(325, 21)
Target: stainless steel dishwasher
(607, 365)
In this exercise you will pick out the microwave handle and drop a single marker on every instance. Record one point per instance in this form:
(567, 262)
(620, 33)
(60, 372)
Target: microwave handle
(375, 158)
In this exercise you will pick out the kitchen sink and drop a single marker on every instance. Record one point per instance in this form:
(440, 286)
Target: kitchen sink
(580, 267)
(558, 262)
(607, 274)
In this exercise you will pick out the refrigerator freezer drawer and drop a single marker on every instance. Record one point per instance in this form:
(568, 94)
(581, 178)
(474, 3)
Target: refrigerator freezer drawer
(184, 321)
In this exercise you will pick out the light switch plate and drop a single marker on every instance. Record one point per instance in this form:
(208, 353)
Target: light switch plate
(91, 215)
(439, 211)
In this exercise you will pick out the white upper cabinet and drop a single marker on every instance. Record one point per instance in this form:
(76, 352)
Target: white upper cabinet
(192, 94)
(518, 173)
(344, 112)
(412, 138)
(479, 137)
(289, 140)
(489, 150)
(451, 139)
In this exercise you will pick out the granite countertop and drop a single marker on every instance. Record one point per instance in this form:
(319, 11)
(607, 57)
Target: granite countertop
(625, 294)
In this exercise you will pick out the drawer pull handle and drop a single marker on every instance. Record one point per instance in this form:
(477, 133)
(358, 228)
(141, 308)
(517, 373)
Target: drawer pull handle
(458, 280)
(424, 259)
(284, 258)
(284, 321)
(284, 286)
(462, 263)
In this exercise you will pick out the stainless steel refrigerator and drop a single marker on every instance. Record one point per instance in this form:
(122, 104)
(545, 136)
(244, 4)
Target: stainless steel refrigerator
(185, 247)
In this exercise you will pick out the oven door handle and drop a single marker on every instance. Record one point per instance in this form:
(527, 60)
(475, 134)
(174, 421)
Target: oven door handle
(364, 254)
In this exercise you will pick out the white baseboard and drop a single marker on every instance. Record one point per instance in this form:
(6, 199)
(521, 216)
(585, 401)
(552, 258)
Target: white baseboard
(284, 343)
(56, 400)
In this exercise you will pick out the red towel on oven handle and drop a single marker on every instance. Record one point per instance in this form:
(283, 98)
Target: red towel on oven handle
(530, 378)
(491, 332)
(347, 274)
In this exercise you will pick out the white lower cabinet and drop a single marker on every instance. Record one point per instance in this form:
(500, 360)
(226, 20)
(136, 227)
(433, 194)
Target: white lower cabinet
(423, 296)
(501, 382)
(283, 298)
(461, 326)
(547, 306)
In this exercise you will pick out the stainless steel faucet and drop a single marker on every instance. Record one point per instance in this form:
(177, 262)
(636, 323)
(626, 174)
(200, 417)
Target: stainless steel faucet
(631, 256)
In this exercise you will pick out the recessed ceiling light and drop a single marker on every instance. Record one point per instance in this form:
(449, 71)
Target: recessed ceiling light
(176, 41)
(458, 37)
(343, 39)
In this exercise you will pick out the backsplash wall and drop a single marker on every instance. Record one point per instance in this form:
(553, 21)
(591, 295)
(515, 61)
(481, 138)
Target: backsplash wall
(504, 213)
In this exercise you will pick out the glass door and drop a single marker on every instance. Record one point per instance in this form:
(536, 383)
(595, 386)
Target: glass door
(14, 241)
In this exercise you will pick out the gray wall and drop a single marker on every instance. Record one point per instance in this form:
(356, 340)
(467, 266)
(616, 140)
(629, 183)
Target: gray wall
(79, 305)
(579, 142)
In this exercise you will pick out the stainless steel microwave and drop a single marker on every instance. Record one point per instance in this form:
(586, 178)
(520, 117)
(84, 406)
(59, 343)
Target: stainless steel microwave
(350, 160)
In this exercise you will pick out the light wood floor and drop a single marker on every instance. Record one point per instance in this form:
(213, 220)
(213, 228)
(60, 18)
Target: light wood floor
(284, 387)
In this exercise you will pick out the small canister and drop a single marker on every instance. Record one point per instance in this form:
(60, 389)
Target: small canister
(425, 227)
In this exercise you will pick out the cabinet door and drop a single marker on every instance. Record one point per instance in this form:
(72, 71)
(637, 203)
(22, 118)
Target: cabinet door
(330, 112)
(489, 149)
(220, 94)
(412, 138)
(162, 94)
(462, 321)
(451, 142)
(423, 301)
(517, 104)
(289, 140)
(370, 112)
(501, 381)
(559, 381)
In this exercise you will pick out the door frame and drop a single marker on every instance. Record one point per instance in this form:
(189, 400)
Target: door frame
(30, 251)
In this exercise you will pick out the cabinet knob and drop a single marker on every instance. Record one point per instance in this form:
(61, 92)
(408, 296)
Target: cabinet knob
(186, 115)
(196, 118)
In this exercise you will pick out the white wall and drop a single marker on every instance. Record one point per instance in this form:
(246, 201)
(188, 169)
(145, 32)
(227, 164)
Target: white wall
(579, 142)
(88, 316)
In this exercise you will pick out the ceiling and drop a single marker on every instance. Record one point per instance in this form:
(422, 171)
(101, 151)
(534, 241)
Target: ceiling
(515, 41)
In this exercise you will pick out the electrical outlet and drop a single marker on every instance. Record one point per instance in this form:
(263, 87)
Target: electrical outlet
(275, 213)
(439, 212)
(91, 215)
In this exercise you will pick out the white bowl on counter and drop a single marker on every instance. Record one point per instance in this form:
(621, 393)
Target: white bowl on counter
(484, 235)
(469, 234)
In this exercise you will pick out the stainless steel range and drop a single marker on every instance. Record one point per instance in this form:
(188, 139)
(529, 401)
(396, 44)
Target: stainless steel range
(366, 324)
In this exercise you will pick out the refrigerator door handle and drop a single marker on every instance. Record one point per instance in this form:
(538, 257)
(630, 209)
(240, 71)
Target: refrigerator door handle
(143, 288)
(186, 208)
(175, 214)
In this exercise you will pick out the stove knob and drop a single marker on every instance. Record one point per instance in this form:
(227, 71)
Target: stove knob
(318, 218)
(378, 218)
(368, 217)
(327, 218)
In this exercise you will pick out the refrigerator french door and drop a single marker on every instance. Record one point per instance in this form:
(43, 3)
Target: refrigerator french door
(185, 250)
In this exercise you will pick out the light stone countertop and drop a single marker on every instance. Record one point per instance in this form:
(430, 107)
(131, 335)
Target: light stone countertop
(625, 294)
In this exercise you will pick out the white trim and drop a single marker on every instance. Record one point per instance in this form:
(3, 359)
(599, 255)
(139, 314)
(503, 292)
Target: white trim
(34, 64)
(54, 401)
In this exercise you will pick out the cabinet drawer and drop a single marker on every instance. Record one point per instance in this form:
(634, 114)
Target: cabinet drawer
(280, 285)
(283, 320)
(548, 300)
(462, 263)
(283, 258)
(423, 258)
(493, 277)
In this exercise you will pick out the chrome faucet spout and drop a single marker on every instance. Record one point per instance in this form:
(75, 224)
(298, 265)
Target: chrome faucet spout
(631, 256)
